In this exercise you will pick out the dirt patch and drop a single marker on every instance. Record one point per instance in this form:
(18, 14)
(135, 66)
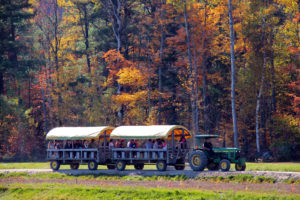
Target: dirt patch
(188, 184)
(279, 176)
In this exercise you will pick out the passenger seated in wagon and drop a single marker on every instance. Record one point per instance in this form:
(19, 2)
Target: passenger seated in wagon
(149, 144)
(92, 145)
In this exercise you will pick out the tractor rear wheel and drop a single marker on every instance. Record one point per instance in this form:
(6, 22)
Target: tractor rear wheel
(197, 160)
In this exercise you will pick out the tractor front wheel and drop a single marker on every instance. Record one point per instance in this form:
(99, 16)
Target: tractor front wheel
(240, 167)
(224, 165)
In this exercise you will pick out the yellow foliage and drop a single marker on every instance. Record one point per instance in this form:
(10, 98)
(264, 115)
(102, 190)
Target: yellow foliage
(131, 76)
(130, 100)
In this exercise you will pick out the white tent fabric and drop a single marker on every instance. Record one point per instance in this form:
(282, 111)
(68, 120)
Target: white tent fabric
(147, 132)
(75, 133)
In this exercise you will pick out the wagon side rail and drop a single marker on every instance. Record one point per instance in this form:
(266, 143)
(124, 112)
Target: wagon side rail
(140, 154)
(79, 155)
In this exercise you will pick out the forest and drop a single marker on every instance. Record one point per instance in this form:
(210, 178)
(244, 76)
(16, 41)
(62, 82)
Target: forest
(221, 67)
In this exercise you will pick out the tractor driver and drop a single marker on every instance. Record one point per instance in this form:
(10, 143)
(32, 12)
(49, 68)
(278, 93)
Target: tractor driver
(208, 146)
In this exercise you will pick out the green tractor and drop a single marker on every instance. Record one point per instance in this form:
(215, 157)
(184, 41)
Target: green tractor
(214, 158)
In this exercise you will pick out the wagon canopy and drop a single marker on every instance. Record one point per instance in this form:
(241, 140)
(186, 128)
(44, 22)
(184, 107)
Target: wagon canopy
(150, 132)
(78, 133)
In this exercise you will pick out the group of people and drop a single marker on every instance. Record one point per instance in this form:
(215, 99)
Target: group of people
(148, 144)
(77, 144)
(85, 144)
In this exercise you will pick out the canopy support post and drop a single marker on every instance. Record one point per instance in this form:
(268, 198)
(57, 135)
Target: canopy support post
(104, 145)
(173, 144)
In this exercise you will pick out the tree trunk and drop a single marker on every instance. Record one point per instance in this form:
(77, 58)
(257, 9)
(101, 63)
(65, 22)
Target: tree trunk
(86, 37)
(149, 88)
(162, 35)
(260, 91)
(1, 83)
(115, 13)
(59, 104)
(257, 114)
(234, 120)
(192, 85)
(273, 97)
(45, 110)
(204, 79)
(245, 141)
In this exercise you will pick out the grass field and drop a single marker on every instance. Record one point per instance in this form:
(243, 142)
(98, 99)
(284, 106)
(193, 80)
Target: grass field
(217, 179)
(63, 191)
(284, 166)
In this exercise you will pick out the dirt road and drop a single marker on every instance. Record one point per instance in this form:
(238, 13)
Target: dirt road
(188, 184)
(279, 176)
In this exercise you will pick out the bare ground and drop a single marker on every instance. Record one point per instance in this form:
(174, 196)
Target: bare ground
(188, 184)
(279, 176)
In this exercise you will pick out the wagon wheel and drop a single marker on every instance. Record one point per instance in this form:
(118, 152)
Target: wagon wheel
(161, 165)
(111, 166)
(55, 165)
(139, 166)
(240, 167)
(92, 165)
(197, 160)
(120, 165)
(224, 165)
(74, 166)
(180, 164)
(212, 166)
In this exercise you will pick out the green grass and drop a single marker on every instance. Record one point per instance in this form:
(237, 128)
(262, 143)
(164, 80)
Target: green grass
(47, 191)
(285, 166)
(276, 166)
(218, 179)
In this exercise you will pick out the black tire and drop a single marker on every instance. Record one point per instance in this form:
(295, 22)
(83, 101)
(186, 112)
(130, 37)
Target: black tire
(139, 166)
(92, 165)
(197, 160)
(180, 164)
(224, 165)
(161, 165)
(111, 166)
(74, 166)
(212, 166)
(120, 165)
(54, 165)
(239, 167)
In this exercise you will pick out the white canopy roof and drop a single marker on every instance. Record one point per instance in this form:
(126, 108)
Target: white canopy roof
(77, 133)
(149, 132)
